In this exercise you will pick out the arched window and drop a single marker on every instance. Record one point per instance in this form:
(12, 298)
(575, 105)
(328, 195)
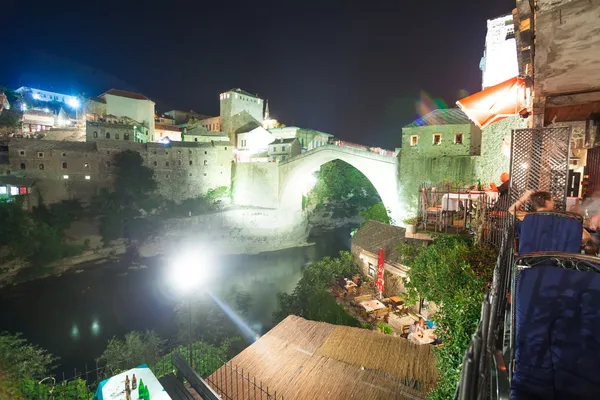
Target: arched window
(41, 166)
(95, 134)
(195, 139)
(191, 162)
(116, 135)
(22, 165)
(205, 162)
(108, 135)
(126, 136)
(64, 165)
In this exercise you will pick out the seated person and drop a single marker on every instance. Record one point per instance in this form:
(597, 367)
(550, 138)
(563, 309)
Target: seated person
(417, 327)
(540, 201)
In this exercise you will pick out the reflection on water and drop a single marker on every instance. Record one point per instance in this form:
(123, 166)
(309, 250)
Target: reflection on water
(74, 315)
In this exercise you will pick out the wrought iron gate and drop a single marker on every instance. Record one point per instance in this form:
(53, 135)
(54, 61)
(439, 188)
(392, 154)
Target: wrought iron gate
(540, 161)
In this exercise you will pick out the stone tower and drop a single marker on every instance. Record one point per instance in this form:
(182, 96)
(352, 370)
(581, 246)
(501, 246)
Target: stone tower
(239, 108)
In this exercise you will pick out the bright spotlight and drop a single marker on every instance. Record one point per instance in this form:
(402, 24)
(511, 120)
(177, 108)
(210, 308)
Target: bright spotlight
(36, 96)
(73, 103)
(23, 107)
(188, 271)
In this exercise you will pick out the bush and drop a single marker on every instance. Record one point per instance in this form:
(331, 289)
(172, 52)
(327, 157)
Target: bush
(323, 307)
(311, 288)
(452, 272)
(137, 348)
(385, 328)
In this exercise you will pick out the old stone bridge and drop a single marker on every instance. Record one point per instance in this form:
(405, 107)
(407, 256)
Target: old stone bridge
(282, 185)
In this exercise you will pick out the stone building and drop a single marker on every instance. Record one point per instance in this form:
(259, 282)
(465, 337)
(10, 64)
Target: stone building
(117, 129)
(76, 170)
(366, 243)
(196, 132)
(238, 108)
(283, 149)
(183, 117)
(212, 124)
(499, 61)
(164, 132)
(309, 139)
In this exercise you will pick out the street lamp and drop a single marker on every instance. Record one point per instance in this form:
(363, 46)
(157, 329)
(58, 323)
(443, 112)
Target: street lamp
(186, 274)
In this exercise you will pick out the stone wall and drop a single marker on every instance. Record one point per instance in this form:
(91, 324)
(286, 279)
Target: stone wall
(237, 231)
(255, 184)
(495, 149)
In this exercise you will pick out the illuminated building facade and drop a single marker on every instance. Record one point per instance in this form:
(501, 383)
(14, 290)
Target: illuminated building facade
(499, 61)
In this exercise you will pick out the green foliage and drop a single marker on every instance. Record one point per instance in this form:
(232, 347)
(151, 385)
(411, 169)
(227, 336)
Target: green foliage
(60, 215)
(20, 359)
(339, 182)
(10, 118)
(411, 221)
(312, 289)
(134, 182)
(323, 307)
(72, 390)
(385, 328)
(453, 273)
(207, 358)
(377, 212)
(365, 325)
(30, 239)
(137, 348)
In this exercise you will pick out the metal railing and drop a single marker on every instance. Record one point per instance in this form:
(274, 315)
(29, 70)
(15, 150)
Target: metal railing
(461, 209)
(233, 383)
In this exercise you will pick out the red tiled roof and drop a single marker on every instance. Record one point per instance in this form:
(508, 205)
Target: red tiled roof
(124, 93)
(166, 127)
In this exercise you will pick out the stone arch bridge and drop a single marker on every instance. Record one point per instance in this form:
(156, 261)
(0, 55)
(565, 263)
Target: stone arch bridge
(381, 168)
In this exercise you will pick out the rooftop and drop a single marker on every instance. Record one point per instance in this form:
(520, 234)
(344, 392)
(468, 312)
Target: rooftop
(245, 93)
(284, 141)
(301, 359)
(448, 116)
(374, 235)
(124, 93)
(166, 127)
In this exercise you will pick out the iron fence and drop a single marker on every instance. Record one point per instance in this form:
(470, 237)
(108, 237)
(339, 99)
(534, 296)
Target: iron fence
(228, 381)
(540, 162)
(461, 209)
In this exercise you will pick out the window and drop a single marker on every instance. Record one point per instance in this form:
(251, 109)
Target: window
(64, 165)
(437, 139)
(87, 177)
(225, 147)
(205, 162)
(166, 163)
(126, 136)
(458, 138)
(205, 174)
(64, 154)
(22, 165)
(179, 152)
(282, 148)
(414, 140)
(191, 162)
(22, 190)
(108, 135)
(107, 164)
(2, 189)
(371, 270)
(167, 176)
(40, 154)
(166, 152)
(108, 152)
(95, 134)
(21, 152)
(154, 152)
(205, 152)
(41, 166)
(178, 162)
(195, 139)
(274, 148)
(116, 135)
(14, 190)
(155, 163)
(190, 174)
(86, 165)
(65, 176)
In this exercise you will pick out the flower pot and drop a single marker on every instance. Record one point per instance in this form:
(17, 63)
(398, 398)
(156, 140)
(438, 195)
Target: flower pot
(412, 229)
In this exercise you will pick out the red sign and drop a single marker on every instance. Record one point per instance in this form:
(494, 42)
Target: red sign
(379, 284)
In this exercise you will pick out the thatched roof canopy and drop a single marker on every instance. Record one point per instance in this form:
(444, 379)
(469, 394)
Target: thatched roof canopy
(303, 359)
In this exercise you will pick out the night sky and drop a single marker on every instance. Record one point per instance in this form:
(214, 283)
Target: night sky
(360, 72)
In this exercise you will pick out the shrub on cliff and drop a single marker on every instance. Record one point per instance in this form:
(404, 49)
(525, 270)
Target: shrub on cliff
(312, 290)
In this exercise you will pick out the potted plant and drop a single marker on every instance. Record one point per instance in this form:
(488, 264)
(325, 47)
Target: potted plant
(411, 225)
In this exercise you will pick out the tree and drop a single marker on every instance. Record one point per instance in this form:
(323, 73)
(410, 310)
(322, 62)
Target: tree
(377, 212)
(312, 288)
(339, 182)
(453, 273)
(137, 348)
(134, 181)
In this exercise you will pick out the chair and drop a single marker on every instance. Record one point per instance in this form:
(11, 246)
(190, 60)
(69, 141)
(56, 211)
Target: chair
(550, 231)
(431, 211)
(554, 328)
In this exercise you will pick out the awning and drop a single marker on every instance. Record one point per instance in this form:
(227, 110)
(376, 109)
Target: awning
(492, 104)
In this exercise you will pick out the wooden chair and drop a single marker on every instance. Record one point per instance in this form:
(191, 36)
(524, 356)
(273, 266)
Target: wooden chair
(431, 212)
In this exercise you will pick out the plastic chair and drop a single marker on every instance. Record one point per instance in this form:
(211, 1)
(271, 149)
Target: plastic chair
(550, 231)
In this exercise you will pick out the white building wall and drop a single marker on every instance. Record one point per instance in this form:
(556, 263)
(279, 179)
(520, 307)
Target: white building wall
(138, 110)
(499, 62)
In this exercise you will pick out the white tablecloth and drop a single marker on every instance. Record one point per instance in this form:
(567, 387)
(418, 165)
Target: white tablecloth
(114, 388)
(372, 305)
(451, 201)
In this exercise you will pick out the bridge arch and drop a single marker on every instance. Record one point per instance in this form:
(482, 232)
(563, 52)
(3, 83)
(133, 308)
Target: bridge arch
(380, 170)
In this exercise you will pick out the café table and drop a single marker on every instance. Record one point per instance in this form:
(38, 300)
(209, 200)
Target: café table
(428, 337)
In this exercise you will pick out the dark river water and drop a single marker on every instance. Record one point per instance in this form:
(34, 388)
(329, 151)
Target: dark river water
(73, 316)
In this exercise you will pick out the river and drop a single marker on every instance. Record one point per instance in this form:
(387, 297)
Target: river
(73, 315)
